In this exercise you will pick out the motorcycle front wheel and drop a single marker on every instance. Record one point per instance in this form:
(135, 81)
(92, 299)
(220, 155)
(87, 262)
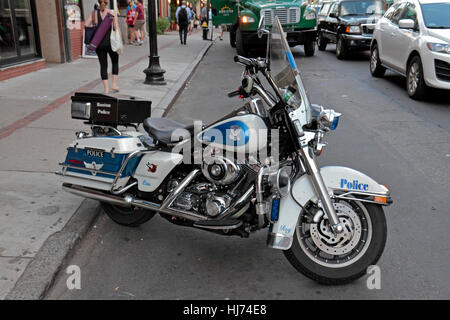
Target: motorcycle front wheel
(331, 259)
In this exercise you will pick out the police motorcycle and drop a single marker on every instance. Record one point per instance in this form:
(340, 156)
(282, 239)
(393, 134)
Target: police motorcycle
(328, 221)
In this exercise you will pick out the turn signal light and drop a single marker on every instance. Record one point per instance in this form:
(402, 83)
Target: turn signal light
(353, 29)
(379, 199)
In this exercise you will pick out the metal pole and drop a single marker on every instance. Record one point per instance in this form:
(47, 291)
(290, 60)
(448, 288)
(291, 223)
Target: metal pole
(154, 72)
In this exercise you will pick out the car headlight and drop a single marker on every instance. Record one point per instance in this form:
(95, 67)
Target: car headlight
(439, 47)
(353, 29)
(311, 15)
(247, 19)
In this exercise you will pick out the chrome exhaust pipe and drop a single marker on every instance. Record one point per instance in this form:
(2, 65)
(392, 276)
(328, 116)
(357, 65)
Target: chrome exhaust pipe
(128, 201)
(94, 194)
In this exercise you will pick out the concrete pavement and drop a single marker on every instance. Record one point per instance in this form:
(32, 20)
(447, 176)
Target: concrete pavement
(37, 222)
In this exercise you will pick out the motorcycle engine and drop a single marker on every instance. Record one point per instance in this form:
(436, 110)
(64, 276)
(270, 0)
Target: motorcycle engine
(203, 198)
(220, 170)
(224, 181)
(216, 203)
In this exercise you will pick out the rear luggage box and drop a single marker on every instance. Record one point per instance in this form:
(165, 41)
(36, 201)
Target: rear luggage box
(108, 110)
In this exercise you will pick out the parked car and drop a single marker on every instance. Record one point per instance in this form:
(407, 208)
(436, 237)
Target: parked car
(348, 23)
(413, 38)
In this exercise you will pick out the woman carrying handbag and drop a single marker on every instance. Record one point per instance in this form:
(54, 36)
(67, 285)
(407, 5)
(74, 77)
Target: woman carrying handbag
(108, 29)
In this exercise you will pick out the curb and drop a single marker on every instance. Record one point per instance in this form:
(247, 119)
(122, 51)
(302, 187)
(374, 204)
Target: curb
(166, 104)
(41, 272)
(39, 275)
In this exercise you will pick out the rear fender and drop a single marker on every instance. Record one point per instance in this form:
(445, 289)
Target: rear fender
(342, 183)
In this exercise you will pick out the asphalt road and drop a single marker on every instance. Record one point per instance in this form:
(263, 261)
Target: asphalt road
(400, 142)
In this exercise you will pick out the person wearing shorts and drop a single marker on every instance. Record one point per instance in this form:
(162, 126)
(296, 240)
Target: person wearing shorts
(130, 26)
(140, 23)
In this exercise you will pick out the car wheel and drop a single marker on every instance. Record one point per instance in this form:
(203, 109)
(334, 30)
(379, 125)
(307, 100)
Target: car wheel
(341, 49)
(241, 48)
(376, 69)
(310, 48)
(415, 83)
(321, 42)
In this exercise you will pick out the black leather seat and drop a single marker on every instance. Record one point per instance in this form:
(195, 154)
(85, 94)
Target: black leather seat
(162, 129)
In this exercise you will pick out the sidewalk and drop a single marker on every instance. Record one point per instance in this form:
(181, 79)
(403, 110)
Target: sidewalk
(39, 223)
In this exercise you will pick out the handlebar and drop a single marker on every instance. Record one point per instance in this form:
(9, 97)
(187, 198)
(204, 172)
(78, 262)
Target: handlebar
(251, 62)
(258, 65)
(234, 93)
(246, 61)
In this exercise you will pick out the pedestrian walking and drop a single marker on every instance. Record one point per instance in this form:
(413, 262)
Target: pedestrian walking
(183, 15)
(131, 20)
(196, 21)
(104, 48)
(191, 20)
(140, 22)
(223, 28)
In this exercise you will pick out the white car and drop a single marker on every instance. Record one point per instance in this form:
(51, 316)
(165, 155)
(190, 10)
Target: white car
(413, 38)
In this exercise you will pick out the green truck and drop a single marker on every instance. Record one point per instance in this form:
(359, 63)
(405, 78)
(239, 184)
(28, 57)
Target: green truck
(298, 18)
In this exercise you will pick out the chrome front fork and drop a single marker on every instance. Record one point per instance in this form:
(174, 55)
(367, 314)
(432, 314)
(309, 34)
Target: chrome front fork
(320, 187)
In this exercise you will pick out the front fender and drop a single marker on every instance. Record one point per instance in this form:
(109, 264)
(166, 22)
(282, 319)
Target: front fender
(342, 183)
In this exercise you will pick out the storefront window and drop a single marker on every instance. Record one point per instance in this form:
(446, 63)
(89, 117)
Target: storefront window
(8, 47)
(17, 31)
(24, 21)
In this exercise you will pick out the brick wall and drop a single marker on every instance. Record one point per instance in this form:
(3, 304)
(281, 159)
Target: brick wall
(76, 41)
(21, 69)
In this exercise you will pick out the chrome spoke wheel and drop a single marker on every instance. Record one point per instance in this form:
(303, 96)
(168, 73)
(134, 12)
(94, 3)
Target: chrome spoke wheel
(322, 246)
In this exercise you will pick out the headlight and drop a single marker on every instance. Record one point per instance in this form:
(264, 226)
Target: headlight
(439, 47)
(310, 15)
(353, 29)
(247, 19)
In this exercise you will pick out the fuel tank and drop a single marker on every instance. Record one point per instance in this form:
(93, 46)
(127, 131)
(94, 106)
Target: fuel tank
(240, 133)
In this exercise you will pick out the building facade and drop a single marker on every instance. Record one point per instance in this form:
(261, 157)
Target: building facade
(34, 32)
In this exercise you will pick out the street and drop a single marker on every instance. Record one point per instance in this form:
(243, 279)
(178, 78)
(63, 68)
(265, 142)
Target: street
(400, 142)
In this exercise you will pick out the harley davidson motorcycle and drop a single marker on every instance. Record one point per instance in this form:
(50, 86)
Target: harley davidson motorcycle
(328, 221)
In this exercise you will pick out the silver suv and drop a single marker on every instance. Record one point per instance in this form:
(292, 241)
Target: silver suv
(413, 38)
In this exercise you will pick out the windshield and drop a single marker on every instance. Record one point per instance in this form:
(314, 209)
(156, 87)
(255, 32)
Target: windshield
(361, 8)
(284, 71)
(436, 15)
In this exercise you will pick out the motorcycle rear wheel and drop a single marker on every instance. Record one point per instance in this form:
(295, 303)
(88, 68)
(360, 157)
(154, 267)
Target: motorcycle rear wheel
(127, 216)
(313, 251)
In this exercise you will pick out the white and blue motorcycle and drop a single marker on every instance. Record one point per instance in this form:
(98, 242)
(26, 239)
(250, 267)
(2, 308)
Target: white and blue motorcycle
(253, 169)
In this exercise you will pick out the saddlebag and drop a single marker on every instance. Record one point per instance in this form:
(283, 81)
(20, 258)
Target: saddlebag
(104, 163)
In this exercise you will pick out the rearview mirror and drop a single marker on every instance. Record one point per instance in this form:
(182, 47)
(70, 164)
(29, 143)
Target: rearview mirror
(406, 24)
(333, 15)
(261, 30)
